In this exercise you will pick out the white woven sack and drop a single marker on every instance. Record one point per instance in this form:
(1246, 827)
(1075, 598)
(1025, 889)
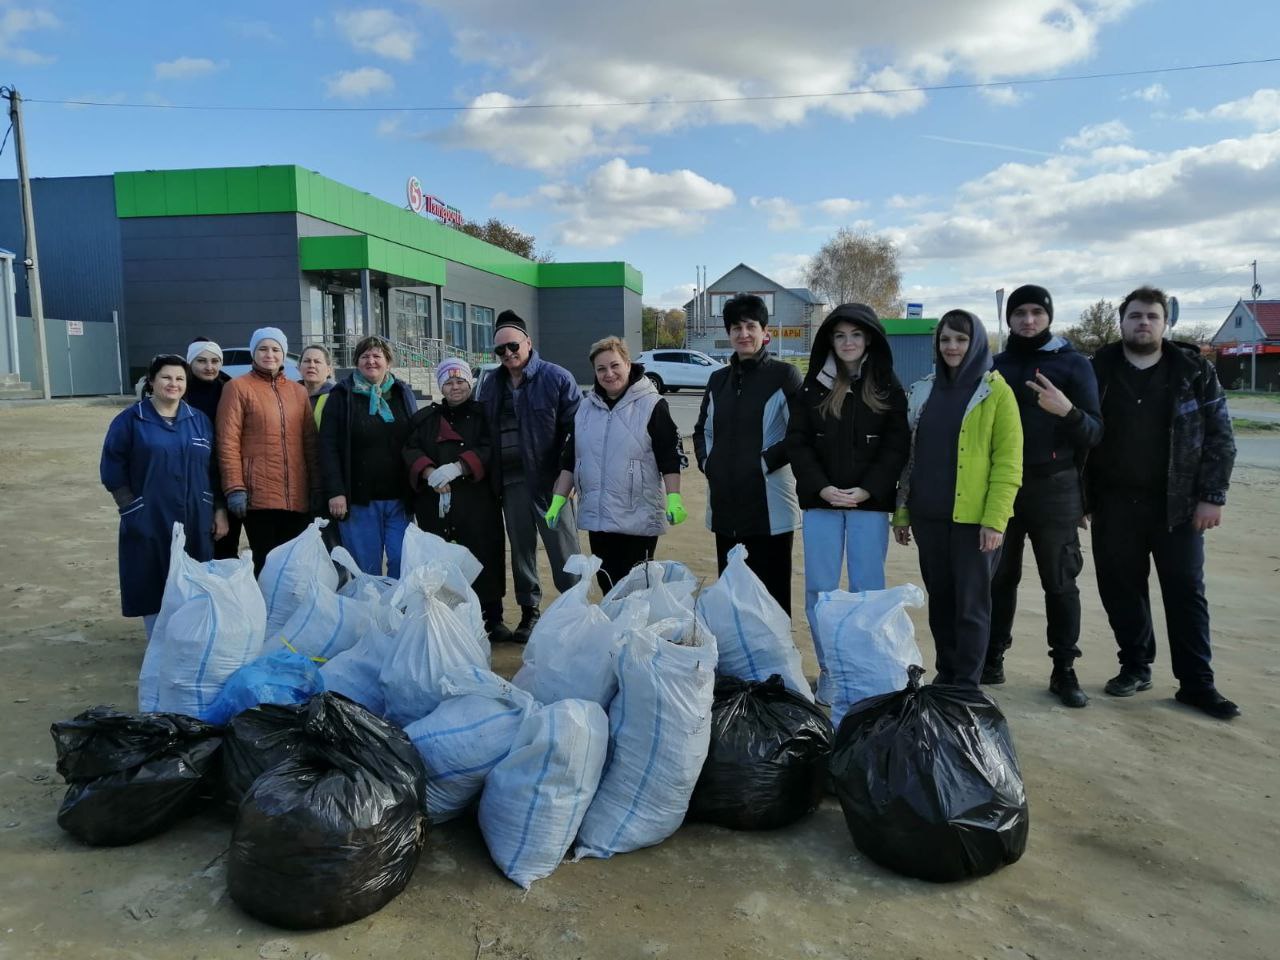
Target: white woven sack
(535, 798)
(569, 655)
(289, 571)
(752, 631)
(434, 639)
(419, 546)
(325, 624)
(659, 734)
(667, 586)
(465, 737)
(211, 623)
(869, 643)
(355, 671)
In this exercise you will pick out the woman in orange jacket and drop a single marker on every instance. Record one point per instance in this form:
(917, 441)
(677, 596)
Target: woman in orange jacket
(267, 448)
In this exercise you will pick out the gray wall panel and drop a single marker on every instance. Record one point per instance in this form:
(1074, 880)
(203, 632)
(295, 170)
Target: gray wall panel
(573, 318)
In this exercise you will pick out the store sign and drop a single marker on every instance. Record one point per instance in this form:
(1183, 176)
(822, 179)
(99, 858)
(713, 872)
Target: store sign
(428, 205)
(791, 333)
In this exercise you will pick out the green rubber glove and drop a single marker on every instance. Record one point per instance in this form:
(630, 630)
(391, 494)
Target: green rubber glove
(676, 513)
(552, 515)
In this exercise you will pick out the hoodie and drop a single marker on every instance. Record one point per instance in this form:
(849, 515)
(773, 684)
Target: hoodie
(859, 446)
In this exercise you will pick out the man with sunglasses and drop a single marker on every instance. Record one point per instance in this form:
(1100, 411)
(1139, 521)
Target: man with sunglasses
(530, 404)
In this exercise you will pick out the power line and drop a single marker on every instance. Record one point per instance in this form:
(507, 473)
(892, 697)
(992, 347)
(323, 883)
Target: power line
(693, 101)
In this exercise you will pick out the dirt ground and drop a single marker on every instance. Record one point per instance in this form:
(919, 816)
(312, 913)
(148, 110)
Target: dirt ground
(1154, 828)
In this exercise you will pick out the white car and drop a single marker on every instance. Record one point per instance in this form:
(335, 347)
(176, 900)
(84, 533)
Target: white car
(238, 360)
(671, 369)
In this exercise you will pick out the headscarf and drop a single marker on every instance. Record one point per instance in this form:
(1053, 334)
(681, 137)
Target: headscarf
(198, 347)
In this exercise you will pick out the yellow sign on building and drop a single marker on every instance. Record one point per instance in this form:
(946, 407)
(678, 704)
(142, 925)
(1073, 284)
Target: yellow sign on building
(791, 333)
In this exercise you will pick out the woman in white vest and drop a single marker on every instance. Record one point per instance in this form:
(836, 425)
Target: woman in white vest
(624, 460)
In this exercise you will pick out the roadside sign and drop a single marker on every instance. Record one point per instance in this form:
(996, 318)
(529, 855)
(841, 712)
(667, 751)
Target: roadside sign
(75, 328)
(915, 309)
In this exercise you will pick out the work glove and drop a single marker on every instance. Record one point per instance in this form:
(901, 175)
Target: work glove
(443, 476)
(676, 513)
(446, 501)
(552, 515)
(238, 503)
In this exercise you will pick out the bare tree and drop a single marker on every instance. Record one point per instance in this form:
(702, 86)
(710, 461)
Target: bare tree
(1197, 331)
(1097, 326)
(858, 267)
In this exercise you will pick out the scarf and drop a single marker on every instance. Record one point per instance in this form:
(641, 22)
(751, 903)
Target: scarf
(1017, 344)
(378, 405)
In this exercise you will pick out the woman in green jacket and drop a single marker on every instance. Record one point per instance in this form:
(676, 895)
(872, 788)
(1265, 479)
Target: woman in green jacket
(958, 488)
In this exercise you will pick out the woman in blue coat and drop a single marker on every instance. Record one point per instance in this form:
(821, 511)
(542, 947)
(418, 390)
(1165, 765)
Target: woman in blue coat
(157, 462)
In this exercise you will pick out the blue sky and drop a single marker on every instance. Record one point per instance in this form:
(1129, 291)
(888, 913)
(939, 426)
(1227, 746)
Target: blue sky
(1089, 187)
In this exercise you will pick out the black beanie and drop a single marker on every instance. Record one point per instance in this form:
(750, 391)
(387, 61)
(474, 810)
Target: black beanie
(1028, 293)
(509, 318)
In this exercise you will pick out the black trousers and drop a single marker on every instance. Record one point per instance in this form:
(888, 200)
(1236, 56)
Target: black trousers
(769, 558)
(267, 529)
(957, 576)
(1047, 512)
(228, 548)
(618, 553)
(1128, 534)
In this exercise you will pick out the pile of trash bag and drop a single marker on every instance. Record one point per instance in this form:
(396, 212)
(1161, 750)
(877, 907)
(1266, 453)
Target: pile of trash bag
(281, 678)
(132, 776)
(333, 833)
(767, 763)
(255, 741)
(929, 782)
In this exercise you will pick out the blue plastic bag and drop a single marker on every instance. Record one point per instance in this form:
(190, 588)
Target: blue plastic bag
(283, 677)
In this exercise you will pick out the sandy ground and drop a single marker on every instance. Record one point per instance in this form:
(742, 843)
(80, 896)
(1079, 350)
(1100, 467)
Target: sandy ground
(1154, 828)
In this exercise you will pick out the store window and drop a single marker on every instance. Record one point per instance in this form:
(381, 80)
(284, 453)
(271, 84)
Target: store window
(455, 324)
(718, 300)
(481, 329)
(410, 315)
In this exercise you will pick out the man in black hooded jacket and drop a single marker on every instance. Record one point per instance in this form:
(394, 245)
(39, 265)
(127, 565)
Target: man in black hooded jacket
(1058, 404)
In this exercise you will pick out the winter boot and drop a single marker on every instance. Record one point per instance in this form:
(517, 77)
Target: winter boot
(497, 631)
(1064, 685)
(528, 617)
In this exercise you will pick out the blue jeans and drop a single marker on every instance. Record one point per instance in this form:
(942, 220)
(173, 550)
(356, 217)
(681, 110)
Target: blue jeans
(372, 529)
(831, 537)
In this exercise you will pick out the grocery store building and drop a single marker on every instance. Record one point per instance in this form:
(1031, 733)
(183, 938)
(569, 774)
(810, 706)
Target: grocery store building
(157, 257)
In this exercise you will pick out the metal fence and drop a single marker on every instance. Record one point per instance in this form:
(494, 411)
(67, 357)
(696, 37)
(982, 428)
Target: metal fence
(411, 352)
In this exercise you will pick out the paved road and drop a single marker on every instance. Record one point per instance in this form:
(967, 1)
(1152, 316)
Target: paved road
(684, 409)
(1258, 452)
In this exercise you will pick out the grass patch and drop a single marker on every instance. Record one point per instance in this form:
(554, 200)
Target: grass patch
(1239, 425)
(1253, 395)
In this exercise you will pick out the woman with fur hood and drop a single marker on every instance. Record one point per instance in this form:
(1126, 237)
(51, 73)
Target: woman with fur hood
(848, 440)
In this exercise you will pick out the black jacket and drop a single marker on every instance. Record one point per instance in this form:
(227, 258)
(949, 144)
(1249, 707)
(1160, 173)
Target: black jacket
(1051, 443)
(741, 443)
(1202, 447)
(335, 438)
(860, 447)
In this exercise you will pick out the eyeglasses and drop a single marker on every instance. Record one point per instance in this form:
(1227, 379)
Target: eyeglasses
(513, 348)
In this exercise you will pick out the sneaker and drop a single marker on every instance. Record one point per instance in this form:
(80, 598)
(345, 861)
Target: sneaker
(993, 673)
(528, 617)
(1126, 684)
(1210, 701)
(1064, 685)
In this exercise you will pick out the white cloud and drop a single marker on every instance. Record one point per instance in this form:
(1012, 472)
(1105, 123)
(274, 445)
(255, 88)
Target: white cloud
(616, 200)
(676, 297)
(377, 30)
(788, 269)
(537, 54)
(904, 202)
(16, 21)
(356, 84)
(1098, 134)
(184, 68)
(783, 214)
(840, 206)
(1155, 93)
(1002, 96)
(1261, 108)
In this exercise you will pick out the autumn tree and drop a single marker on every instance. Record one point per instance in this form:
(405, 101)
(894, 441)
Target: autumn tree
(1097, 326)
(507, 237)
(1197, 331)
(661, 328)
(858, 267)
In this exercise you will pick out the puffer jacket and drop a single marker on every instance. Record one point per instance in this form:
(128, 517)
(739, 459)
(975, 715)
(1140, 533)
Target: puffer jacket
(1202, 446)
(859, 447)
(267, 441)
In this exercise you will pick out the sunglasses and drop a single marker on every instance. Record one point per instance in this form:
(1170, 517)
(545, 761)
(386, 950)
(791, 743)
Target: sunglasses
(513, 348)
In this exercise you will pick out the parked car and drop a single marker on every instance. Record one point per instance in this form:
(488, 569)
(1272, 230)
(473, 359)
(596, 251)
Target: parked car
(238, 360)
(673, 369)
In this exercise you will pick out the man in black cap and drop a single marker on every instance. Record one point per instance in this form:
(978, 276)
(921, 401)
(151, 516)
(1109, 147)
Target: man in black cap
(1061, 419)
(530, 404)
(1156, 483)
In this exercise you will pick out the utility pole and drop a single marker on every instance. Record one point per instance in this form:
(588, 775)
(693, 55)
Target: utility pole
(1253, 354)
(32, 261)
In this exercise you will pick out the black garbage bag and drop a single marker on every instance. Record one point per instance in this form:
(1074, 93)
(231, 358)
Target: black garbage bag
(929, 782)
(257, 739)
(334, 833)
(132, 776)
(767, 764)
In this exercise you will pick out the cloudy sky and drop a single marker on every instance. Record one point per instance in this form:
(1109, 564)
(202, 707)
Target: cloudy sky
(671, 134)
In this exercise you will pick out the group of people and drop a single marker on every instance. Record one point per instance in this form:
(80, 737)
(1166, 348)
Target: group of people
(969, 463)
